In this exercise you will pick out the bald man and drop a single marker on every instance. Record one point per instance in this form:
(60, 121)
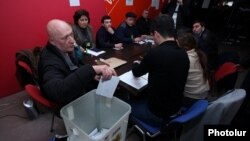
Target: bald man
(62, 77)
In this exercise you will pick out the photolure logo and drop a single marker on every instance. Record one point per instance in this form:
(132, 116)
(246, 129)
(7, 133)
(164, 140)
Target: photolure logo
(236, 132)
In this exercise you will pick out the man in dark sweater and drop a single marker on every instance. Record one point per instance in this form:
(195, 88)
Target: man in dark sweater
(105, 36)
(143, 23)
(62, 79)
(167, 66)
(127, 31)
(207, 42)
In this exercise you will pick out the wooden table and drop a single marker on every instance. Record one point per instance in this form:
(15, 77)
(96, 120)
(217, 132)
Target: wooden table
(129, 53)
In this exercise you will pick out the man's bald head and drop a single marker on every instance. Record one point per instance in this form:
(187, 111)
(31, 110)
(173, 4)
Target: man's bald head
(60, 34)
(56, 26)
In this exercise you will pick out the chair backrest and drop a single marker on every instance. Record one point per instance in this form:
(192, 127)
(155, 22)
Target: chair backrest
(25, 66)
(225, 78)
(220, 111)
(36, 94)
(224, 70)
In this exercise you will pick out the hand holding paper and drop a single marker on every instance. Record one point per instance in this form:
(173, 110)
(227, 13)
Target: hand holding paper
(107, 87)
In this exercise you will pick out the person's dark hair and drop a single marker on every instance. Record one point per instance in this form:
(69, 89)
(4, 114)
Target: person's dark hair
(164, 25)
(199, 21)
(105, 17)
(79, 13)
(130, 14)
(188, 42)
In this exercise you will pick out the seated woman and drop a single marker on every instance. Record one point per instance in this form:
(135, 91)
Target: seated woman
(83, 32)
(197, 86)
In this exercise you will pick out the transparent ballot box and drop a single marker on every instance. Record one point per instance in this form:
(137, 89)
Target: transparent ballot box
(93, 117)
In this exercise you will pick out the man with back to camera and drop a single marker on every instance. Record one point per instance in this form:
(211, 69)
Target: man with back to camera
(167, 66)
(62, 79)
(127, 32)
(105, 36)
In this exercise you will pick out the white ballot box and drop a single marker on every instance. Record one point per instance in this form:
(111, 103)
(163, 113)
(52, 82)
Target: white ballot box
(93, 117)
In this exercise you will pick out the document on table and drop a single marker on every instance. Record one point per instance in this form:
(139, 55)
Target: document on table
(107, 87)
(94, 52)
(136, 82)
(113, 62)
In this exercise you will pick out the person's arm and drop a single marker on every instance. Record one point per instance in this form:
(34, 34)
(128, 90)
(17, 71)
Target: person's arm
(65, 89)
(141, 67)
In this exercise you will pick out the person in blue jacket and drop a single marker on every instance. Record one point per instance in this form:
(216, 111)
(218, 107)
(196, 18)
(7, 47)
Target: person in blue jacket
(127, 31)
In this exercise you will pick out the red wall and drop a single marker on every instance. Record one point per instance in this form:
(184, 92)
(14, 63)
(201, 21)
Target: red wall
(23, 25)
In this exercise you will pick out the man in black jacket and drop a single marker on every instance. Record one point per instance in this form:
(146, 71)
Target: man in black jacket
(105, 36)
(127, 31)
(62, 78)
(167, 66)
(207, 42)
(143, 23)
(180, 12)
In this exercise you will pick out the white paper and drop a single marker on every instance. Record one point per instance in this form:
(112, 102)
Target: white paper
(136, 82)
(98, 135)
(74, 2)
(107, 87)
(129, 2)
(91, 52)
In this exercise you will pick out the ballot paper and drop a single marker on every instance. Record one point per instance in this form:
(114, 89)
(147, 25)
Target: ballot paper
(107, 87)
(136, 82)
(95, 134)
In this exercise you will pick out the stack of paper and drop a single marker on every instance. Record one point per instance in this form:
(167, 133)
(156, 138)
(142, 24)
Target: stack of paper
(136, 82)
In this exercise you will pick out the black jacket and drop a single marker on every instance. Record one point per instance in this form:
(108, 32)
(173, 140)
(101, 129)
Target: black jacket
(168, 67)
(183, 15)
(126, 34)
(143, 26)
(58, 82)
(104, 39)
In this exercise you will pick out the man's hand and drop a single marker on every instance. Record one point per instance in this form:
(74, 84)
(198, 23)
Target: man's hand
(110, 30)
(119, 46)
(137, 39)
(105, 71)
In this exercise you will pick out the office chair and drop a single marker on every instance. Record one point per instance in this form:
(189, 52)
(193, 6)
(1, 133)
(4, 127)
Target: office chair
(225, 77)
(221, 111)
(25, 66)
(224, 70)
(29, 71)
(36, 94)
(197, 109)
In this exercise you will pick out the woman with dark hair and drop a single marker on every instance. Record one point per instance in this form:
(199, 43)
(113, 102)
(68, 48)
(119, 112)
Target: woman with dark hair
(83, 32)
(197, 86)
